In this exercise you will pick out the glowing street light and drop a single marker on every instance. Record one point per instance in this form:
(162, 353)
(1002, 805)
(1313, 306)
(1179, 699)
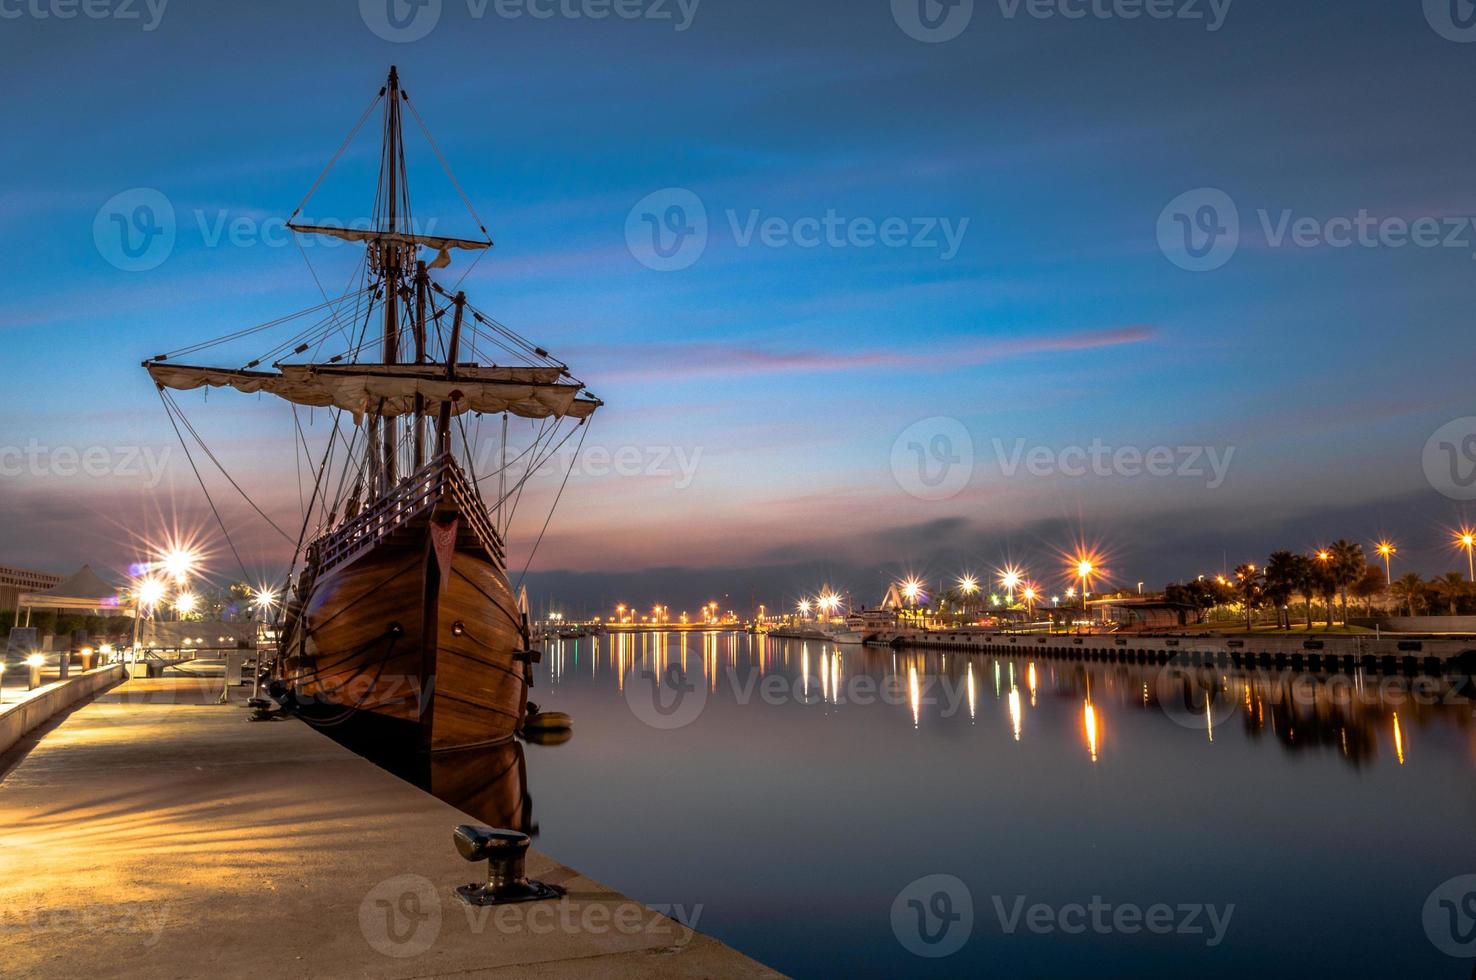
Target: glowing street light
(150, 592)
(804, 608)
(1010, 578)
(968, 585)
(1467, 539)
(185, 603)
(265, 599)
(1388, 551)
(1029, 595)
(178, 563)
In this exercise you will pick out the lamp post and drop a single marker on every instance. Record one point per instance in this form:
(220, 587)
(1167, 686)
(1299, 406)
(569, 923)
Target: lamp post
(1084, 569)
(35, 662)
(1467, 539)
(1388, 551)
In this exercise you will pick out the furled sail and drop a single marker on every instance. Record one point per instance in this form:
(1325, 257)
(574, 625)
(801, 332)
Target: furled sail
(438, 242)
(389, 390)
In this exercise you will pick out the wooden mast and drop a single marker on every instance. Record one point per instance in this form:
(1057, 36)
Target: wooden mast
(422, 287)
(443, 423)
(390, 252)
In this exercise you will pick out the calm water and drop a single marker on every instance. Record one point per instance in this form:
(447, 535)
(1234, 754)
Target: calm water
(796, 789)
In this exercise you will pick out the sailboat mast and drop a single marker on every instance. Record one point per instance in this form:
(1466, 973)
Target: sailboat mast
(443, 423)
(417, 419)
(390, 251)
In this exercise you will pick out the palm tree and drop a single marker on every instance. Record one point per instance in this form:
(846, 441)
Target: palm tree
(1410, 590)
(1347, 567)
(1303, 572)
(1280, 583)
(1368, 585)
(1250, 585)
(1451, 587)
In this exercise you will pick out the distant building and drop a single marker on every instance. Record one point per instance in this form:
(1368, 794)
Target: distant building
(1141, 612)
(14, 581)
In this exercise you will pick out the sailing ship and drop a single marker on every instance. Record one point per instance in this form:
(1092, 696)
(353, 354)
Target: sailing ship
(399, 609)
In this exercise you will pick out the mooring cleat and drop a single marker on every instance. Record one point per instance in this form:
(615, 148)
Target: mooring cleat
(504, 851)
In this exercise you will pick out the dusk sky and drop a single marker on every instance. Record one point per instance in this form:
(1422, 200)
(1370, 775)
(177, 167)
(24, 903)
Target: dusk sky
(962, 248)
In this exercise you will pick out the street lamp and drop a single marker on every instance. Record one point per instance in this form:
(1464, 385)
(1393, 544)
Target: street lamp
(1084, 570)
(1388, 551)
(1010, 578)
(1467, 539)
(179, 563)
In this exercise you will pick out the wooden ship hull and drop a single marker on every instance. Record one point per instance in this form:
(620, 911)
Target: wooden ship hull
(400, 622)
(405, 614)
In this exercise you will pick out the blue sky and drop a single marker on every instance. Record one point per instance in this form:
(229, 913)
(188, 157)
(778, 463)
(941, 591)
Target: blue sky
(784, 375)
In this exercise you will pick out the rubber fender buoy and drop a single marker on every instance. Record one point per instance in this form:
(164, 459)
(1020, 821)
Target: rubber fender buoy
(547, 721)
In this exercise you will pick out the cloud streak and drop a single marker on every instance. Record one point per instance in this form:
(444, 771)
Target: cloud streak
(665, 360)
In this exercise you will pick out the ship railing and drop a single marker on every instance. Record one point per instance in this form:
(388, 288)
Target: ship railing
(410, 499)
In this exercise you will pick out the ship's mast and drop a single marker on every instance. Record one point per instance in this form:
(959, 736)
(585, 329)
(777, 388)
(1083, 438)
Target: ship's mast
(390, 253)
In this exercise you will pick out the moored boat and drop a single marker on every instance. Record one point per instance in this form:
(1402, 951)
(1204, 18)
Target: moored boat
(400, 607)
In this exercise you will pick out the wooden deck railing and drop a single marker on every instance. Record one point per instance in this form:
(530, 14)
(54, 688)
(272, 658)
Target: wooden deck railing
(415, 496)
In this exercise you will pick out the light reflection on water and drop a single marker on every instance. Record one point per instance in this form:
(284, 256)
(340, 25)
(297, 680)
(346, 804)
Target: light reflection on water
(815, 782)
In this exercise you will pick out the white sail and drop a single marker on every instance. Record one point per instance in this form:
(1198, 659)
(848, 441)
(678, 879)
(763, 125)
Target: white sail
(390, 391)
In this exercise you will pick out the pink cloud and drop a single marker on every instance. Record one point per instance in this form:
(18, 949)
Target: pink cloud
(662, 360)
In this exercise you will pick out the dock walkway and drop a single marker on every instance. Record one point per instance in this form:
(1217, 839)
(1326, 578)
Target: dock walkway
(154, 833)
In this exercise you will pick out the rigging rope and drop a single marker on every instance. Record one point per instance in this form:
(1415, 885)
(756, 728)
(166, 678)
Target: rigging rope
(555, 507)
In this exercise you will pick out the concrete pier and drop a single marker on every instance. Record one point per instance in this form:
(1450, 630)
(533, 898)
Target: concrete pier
(154, 833)
(1331, 652)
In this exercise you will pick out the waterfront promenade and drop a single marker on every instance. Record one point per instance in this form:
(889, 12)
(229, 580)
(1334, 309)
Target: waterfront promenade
(154, 833)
